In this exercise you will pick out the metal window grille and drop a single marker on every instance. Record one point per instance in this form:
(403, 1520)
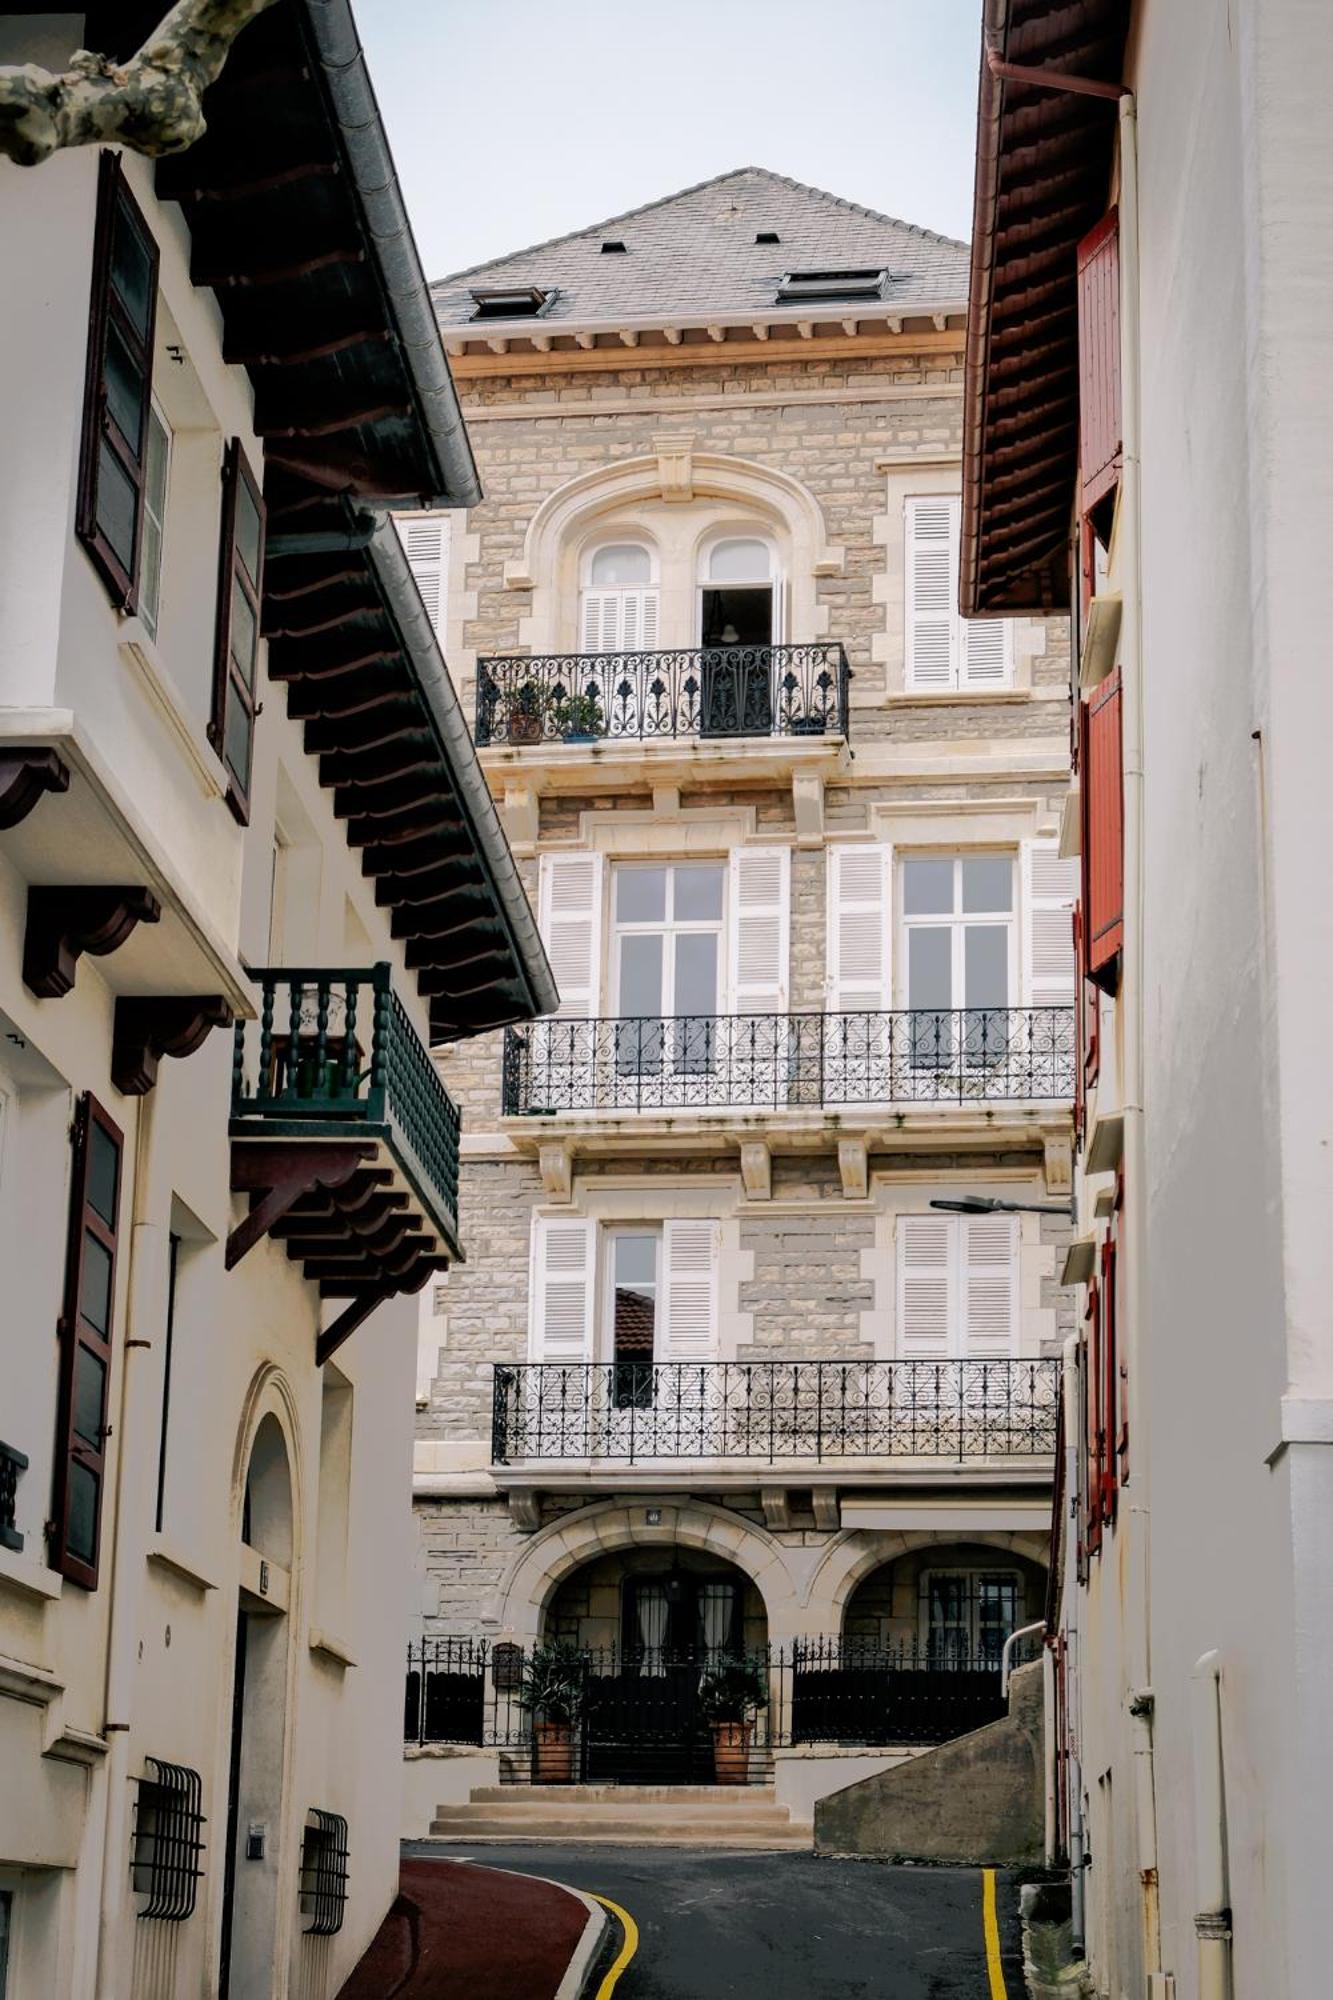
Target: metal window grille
(167, 1845)
(324, 1872)
(12, 1464)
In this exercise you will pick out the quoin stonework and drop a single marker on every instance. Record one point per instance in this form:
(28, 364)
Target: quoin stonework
(717, 1378)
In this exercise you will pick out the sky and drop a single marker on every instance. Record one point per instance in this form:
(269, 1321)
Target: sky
(515, 122)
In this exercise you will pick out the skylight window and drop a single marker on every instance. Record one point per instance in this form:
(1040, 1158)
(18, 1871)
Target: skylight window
(510, 302)
(802, 286)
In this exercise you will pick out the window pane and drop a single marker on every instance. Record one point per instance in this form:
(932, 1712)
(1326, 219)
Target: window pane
(95, 1284)
(640, 895)
(247, 531)
(125, 388)
(739, 562)
(986, 965)
(131, 269)
(698, 894)
(988, 882)
(927, 888)
(103, 1172)
(930, 967)
(619, 566)
(696, 973)
(150, 574)
(84, 1486)
(636, 1258)
(89, 1394)
(243, 632)
(117, 505)
(640, 975)
(236, 739)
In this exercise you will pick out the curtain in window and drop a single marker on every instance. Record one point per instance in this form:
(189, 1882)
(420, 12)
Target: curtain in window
(717, 1602)
(652, 1612)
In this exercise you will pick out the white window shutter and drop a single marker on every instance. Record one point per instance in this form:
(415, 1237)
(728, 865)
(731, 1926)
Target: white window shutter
(1049, 889)
(985, 652)
(425, 539)
(859, 927)
(925, 1285)
(648, 622)
(932, 574)
(570, 900)
(564, 1255)
(590, 622)
(989, 1286)
(759, 929)
(689, 1263)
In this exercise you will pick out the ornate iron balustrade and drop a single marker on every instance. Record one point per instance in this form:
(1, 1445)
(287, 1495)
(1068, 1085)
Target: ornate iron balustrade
(765, 1411)
(790, 1062)
(638, 1712)
(13, 1464)
(334, 1055)
(701, 691)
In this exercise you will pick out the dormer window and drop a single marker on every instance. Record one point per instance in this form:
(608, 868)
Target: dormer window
(806, 287)
(767, 236)
(511, 302)
(614, 247)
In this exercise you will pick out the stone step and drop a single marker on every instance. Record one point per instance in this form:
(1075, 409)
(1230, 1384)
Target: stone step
(738, 1797)
(606, 1817)
(720, 1833)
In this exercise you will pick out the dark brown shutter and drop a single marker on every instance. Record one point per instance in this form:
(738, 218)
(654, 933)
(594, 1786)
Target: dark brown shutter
(1099, 432)
(1095, 1428)
(231, 728)
(117, 386)
(86, 1344)
(1101, 783)
(1111, 1399)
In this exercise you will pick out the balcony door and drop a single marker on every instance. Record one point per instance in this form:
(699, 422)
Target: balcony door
(958, 957)
(738, 627)
(666, 977)
(966, 1616)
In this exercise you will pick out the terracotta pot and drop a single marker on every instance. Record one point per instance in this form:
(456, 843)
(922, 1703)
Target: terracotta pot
(731, 1752)
(525, 727)
(555, 1753)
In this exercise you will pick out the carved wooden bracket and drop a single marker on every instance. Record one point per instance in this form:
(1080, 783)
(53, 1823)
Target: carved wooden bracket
(278, 1173)
(147, 1030)
(349, 1319)
(24, 776)
(63, 923)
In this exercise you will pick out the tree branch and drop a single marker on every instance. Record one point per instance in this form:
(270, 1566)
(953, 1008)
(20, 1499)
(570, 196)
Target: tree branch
(151, 104)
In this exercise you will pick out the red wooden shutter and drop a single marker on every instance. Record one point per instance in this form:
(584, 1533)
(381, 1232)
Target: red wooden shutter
(1099, 360)
(117, 386)
(231, 726)
(85, 1345)
(1101, 796)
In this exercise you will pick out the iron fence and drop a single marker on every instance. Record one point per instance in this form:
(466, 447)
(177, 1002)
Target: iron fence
(641, 1715)
(771, 1410)
(790, 1062)
(704, 691)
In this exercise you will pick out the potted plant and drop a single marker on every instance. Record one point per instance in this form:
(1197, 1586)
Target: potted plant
(525, 714)
(553, 1691)
(731, 1693)
(579, 718)
(810, 724)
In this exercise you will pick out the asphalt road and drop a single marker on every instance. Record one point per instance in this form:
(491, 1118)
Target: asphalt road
(729, 1926)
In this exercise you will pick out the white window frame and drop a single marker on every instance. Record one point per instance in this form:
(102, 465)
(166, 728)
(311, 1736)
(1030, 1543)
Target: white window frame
(773, 582)
(959, 920)
(151, 613)
(959, 680)
(604, 1326)
(644, 597)
(670, 928)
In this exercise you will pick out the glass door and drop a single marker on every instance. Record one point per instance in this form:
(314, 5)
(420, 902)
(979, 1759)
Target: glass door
(958, 941)
(667, 977)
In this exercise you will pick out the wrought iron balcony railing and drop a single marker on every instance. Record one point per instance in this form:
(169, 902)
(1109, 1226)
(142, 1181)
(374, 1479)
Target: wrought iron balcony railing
(789, 1062)
(13, 1464)
(334, 1055)
(768, 1411)
(699, 691)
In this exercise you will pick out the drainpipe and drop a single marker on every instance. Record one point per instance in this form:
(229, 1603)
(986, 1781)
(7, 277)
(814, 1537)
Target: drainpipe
(1212, 1923)
(1070, 1601)
(136, 1464)
(1129, 534)
(1049, 1759)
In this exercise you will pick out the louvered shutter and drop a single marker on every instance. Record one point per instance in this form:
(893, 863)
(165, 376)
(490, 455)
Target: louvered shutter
(860, 925)
(1099, 417)
(1049, 889)
(689, 1266)
(932, 569)
(984, 649)
(571, 925)
(636, 621)
(563, 1271)
(425, 540)
(759, 931)
(1101, 801)
(601, 621)
(989, 1286)
(925, 1275)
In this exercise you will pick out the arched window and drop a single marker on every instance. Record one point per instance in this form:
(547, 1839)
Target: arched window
(736, 595)
(618, 607)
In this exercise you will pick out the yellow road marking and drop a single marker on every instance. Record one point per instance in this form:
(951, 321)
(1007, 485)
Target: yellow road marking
(630, 1946)
(991, 1926)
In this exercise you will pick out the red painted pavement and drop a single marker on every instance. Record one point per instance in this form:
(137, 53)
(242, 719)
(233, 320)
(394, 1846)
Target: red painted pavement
(459, 1932)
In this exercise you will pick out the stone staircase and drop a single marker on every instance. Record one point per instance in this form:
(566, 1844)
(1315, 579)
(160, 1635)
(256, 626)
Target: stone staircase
(738, 1816)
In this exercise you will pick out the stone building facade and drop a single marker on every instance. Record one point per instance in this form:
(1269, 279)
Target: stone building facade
(721, 467)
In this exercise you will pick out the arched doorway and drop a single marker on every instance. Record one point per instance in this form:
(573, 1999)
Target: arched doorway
(259, 1720)
(656, 1629)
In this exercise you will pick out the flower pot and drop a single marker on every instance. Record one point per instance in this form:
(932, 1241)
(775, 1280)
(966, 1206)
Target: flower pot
(524, 727)
(578, 736)
(808, 725)
(554, 1759)
(731, 1752)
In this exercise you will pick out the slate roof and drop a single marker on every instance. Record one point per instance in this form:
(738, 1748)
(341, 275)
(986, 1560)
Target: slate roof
(693, 254)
